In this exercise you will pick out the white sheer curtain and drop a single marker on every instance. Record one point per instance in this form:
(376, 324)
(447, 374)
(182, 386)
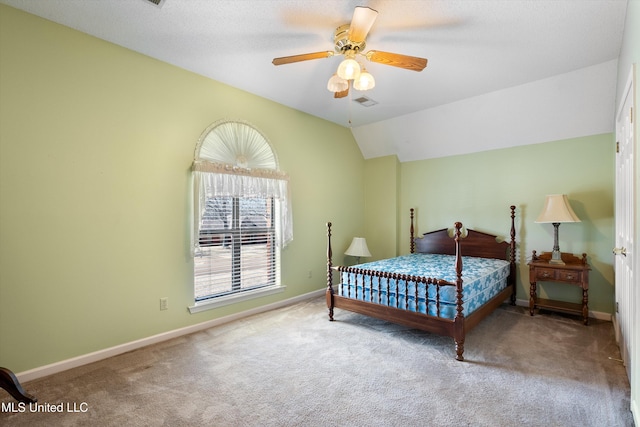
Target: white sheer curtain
(215, 179)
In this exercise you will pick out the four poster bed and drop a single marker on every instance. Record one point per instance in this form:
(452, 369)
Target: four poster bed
(429, 289)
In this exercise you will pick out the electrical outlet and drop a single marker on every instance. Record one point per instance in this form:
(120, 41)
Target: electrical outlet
(164, 303)
(310, 275)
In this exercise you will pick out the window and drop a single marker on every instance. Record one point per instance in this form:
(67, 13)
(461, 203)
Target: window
(242, 216)
(237, 247)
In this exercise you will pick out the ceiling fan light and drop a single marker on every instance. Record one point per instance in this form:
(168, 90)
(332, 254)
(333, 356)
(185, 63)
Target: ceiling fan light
(349, 69)
(365, 81)
(337, 84)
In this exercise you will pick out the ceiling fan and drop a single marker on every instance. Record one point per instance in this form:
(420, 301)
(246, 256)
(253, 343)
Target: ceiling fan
(350, 40)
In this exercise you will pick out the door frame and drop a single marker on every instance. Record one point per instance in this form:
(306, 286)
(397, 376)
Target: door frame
(633, 337)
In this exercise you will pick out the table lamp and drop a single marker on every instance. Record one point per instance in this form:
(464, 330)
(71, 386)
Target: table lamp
(358, 248)
(556, 211)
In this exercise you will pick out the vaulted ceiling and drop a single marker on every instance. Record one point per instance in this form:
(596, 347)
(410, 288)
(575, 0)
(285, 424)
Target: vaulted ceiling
(473, 47)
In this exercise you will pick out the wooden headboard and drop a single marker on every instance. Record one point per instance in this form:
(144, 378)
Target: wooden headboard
(475, 243)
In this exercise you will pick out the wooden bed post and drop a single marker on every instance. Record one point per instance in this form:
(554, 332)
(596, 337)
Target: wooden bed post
(512, 256)
(458, 321)
(412, 244)
(329, 292)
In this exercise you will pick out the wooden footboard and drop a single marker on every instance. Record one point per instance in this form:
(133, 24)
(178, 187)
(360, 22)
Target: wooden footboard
(412, 319)
(475, 244)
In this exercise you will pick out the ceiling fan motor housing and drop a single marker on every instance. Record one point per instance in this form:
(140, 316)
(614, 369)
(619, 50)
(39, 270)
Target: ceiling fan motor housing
(342, 42)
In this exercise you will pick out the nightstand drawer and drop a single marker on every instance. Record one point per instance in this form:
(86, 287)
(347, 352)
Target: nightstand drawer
(545, 273)
(569, 276)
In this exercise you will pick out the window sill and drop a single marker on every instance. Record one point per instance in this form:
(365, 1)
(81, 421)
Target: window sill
(233, 299)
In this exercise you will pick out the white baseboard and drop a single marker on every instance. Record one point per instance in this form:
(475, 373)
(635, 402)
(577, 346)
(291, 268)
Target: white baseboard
(593, 314)
(85, 359)
(616, 329)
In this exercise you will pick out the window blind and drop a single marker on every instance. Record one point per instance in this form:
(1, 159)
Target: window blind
(237, 247)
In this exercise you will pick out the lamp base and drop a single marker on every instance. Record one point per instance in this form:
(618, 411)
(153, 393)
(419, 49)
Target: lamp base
(556, 255)
(556, 258)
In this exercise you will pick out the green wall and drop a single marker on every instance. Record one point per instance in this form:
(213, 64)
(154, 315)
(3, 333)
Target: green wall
(381, 202)
(477, 189)
(96, 144)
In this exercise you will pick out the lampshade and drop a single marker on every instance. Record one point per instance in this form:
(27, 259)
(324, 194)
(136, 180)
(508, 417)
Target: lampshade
(365, 81)
(337, 84)
(556, 210)
(358, 247)
(349, 68)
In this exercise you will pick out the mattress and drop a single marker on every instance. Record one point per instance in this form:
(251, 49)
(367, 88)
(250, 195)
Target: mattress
(483, 278)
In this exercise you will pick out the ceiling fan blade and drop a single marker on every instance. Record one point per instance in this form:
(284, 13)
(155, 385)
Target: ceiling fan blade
(403, 61)
(341, 94)
(361, 23)
(303, 57)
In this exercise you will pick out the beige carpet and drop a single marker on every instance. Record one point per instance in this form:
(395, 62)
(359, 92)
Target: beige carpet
(292, 367)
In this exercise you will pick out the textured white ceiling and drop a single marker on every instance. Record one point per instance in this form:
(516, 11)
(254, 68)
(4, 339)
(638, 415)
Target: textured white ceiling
(473, 47)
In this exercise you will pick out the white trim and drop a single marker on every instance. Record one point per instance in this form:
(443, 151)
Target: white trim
(95, 356)
(234, 298)
(593, 314)
(617, 332)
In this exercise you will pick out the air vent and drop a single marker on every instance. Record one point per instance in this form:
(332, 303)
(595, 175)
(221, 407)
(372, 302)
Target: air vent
(157, 3)
(364, 101)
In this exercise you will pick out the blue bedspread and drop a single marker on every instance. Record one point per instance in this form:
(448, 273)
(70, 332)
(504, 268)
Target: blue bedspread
(483, 278)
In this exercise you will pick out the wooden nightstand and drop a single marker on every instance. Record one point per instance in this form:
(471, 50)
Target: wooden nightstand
(575, 272)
